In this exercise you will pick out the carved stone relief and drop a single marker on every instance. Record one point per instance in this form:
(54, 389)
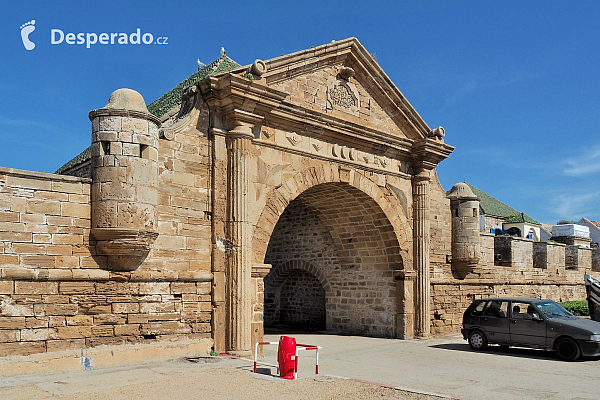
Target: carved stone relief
(268, 132)
(294, 138)
(342, 95)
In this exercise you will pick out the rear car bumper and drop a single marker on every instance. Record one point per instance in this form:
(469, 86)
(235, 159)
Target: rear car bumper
(589, 348)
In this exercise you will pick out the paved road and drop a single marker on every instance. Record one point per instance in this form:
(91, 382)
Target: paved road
(444, 366)
(448, 366)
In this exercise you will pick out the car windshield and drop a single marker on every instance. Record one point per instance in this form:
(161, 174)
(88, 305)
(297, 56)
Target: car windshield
(552, 309)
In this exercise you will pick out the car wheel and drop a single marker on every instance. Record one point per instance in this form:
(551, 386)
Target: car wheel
(567, 349)
(477, 340)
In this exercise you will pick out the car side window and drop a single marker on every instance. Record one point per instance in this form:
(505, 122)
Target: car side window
(498, 309)
(522, 310)
(478, 310)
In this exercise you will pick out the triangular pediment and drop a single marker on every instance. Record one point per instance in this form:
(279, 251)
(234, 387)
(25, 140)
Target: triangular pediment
(341, 79)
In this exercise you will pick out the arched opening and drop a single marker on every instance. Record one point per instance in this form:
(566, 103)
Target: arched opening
(294, 299)
(334, 236)
(514, 231)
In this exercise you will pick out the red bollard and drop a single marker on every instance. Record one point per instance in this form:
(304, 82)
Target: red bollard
(286, 357)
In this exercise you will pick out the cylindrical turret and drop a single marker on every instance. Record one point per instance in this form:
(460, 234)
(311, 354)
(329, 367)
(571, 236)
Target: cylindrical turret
(464, 206)
(124, 179)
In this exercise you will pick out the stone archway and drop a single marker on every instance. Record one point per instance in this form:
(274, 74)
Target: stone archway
(295, 297)
(362, 257)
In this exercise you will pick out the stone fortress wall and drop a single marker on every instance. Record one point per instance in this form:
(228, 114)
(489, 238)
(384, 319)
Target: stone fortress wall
(58, 290)
(510, 266)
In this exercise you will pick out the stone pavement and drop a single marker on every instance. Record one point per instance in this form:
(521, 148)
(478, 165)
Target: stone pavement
(444, 366)
(448, 366)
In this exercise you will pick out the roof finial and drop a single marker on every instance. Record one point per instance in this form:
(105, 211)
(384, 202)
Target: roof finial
(223, 52)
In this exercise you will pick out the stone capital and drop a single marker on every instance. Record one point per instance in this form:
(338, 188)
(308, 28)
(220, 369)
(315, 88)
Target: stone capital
(241, 131)
(405, 275)
(242, 122)
(260, 270)
(428, 152)
(421, 174)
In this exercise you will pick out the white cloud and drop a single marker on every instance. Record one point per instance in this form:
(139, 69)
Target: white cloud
(22, 123)
(573, 206)
(587, 163)
(486, 81)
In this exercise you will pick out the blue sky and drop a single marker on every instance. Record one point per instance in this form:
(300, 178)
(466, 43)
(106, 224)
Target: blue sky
(514, 83)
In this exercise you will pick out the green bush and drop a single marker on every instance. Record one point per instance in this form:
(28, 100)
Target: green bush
(577, 307)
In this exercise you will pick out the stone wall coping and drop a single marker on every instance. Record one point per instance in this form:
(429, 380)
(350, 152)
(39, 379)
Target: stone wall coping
(42, 175)
(515, 238)
(478, 282)
(57, 274)
(554, 244)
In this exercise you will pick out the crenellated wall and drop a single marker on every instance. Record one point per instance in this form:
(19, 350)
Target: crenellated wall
(511, 266)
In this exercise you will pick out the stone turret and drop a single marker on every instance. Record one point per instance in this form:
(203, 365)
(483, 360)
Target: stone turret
(464, 206)
(124, 179)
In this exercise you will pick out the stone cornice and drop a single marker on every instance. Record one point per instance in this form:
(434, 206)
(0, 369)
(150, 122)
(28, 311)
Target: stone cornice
(123, 113)
(428, 153)
(98, 275)
(232, 92)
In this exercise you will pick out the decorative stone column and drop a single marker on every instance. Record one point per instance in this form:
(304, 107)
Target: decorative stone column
(427, 154)
(239, 233)
(124, 179)
(421, 251)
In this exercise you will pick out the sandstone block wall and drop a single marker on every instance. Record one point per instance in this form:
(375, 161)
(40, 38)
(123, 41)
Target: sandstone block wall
(56, 291)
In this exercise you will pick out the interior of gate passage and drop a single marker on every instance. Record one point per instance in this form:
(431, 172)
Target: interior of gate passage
(333, 253)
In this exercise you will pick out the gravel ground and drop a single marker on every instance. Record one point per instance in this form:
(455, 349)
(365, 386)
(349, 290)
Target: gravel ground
(215, 379)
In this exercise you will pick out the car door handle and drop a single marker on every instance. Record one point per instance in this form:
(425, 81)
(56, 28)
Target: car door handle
(514, 321)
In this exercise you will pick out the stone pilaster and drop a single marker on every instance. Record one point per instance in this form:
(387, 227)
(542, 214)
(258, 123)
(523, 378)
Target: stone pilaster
(239, 234)
(421, 199)
(405, 305)
(259, 272)
(218, 221)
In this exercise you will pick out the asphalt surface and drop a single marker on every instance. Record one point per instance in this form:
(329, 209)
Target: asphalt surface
(448, 366)
(443, 366)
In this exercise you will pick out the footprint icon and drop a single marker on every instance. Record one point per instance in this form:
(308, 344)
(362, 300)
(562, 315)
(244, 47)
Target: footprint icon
(26, 29)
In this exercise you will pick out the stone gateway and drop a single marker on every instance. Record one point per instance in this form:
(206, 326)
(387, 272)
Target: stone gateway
(298, 191)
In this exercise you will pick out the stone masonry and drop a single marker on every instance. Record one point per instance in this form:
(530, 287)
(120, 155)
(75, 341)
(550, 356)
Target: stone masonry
(299, 191)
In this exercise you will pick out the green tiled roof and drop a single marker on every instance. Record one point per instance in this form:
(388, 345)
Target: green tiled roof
(520, 217)
(489, 205)
(170, 99)
(81, 157)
